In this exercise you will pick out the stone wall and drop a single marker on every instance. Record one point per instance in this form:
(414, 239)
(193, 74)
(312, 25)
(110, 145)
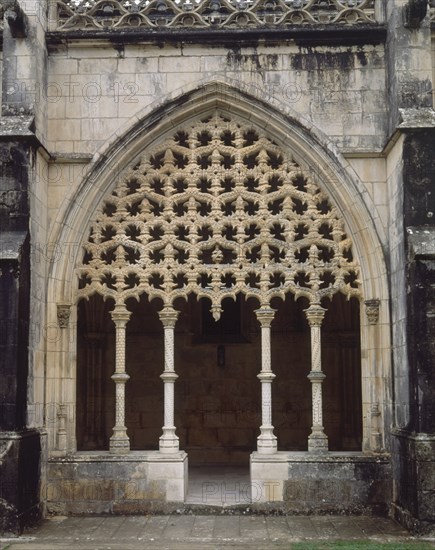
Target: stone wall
(335, 483)
(95, 90)
(414, 485)
(337, 91)
(361, 94)
(102, 484)
(331, 485)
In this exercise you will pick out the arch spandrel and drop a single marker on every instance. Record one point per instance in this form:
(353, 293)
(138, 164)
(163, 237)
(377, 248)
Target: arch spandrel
(216, 209)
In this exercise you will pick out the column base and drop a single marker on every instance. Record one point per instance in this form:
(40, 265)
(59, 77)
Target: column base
(266, 441)
(317, 442)
(119, 442)
(169, 442)
(269, 475)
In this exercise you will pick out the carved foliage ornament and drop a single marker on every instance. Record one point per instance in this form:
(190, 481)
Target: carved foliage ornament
(216, 210)
(372, 311)
(154, 14)
(63, 315)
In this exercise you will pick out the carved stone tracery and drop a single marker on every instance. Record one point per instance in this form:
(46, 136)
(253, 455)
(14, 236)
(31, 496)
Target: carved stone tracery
(194, 14)
(215, 210)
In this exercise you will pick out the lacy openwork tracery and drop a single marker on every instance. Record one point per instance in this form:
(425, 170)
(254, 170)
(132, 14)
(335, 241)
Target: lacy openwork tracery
(216, 210)
(178, 14)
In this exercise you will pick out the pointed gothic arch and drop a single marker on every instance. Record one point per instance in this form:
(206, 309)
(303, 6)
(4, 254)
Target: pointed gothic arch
(301, 148)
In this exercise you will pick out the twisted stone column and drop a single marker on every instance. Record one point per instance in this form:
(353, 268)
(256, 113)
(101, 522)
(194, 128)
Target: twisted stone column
(119, 442)
(266, 442)
(317, 440)
(169, 442)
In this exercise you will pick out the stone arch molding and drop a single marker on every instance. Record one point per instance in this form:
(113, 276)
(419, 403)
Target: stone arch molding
(301, 158)
(312, 150)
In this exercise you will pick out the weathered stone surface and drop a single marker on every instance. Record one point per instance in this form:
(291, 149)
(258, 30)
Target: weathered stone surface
(114, 484)
(20, 473)
(333, 486)
(340, 91)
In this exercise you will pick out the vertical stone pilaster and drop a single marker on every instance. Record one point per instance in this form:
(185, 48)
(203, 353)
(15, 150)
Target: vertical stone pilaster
(266, 442)
(61, 428)
(119, 442)
(169, 442)
(317, 441)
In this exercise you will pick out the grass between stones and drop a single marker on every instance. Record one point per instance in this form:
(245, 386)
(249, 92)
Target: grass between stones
(362, 545)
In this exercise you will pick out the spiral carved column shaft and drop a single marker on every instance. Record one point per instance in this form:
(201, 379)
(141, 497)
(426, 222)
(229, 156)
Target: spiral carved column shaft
(266, 442)
(317, 440)
(169, 442)
(119, 442)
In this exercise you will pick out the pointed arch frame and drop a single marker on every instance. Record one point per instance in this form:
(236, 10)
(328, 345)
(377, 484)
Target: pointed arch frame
(310, 148)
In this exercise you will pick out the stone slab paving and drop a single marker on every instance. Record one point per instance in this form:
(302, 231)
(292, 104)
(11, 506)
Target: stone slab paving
(194, 532)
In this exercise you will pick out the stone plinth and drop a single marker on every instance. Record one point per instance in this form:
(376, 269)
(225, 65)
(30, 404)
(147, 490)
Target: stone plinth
(101, 483)
(268, 476)
(329, 483)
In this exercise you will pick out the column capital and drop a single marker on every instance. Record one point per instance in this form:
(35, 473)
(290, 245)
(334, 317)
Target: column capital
(265, 315)
(168, 316)
(63, 315)
(120, 315)
(315, 315)
(372, 311)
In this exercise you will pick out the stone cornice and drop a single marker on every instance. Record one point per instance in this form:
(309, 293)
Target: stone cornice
(314, 35)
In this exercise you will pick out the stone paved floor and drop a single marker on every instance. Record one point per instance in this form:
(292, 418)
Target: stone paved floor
(194, 532)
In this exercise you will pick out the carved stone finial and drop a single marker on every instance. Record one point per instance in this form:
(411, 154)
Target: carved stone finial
(63, 313)
(216, 311)
(372, 311)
